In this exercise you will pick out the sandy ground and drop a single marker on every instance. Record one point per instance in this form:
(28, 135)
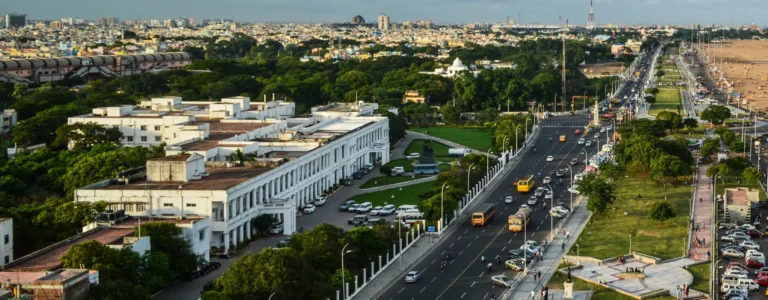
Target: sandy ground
(745, 64)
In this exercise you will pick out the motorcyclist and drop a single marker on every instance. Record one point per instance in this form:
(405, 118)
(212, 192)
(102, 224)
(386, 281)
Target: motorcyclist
(490, 265)
(534, 150)
(539, 174)
(550, 139)
(482, 258)
(498, 259)
(442, 265)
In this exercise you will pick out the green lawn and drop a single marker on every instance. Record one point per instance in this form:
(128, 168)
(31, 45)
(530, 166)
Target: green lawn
(731, 182)
(700, 277)
(599, 292)
(387, 180)
(607, 235)
(440, 150)
(406, 195)
(667, 99)
(403, 162)
(475, 138)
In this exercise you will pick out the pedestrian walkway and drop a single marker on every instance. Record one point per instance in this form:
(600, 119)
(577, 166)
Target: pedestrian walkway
(702, 216)
(552, 256)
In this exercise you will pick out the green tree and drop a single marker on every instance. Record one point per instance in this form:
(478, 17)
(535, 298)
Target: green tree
(155, 270)
(451, 114)
(112, 264)
(652, 91)
(385, 169)
(262, 223)
(717, 114)
(83, 136)
(599, 191)
(691, 124)
(651, 99)
(320, 246)
(665, 167)
(752, 175)
(368, 245)
(118, 290)
(167, 239)
(671, 120)
(282, 271)
(661, 211)
(709, 148)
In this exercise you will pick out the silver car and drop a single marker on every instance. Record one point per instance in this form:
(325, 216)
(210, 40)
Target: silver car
(502, 281)
(413, 276)
(533, 200)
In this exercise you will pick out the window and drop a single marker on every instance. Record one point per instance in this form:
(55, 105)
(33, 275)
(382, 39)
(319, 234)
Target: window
(143, 127)
(157, 128)
(167, 204)
(7, 239)
(129, 138)
(143, 138)
(141, 207)
(157, 139)
(191, 204)
(201, 234)
(7, 259)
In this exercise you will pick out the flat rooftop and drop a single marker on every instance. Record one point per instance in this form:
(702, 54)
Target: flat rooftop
(220, 178)
(133, 222)
(50, 258)
(219, 131)
(741, 196)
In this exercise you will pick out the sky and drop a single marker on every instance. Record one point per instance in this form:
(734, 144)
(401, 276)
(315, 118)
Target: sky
(639, 12)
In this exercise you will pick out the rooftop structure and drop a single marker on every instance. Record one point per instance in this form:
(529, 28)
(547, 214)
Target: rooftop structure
(6, 248)
(53, 69)
(64, 284)
(8, 119)
(455, 69)
(283, 166)
(741, 204)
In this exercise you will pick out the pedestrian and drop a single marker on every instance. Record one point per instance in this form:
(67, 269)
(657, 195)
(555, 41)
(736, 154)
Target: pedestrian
(539, 274)
(703, 241)
(563, 246)
(709, 255)
(533, 294)
(567, 234)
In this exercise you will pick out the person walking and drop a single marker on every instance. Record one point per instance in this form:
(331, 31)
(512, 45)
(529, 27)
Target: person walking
(563, 246)
(539, 275)
(709, 255)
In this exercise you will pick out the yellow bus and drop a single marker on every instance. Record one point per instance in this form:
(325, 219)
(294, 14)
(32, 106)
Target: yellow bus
(526, 185)
(483, 215)
(562, 138)
(519, 220)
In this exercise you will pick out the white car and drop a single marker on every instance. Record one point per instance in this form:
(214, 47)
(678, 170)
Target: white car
(529, 248)
(581, 141)
(759, 256)
(574, 189)
(320, 201)
(588, 143)
(376, 211)
(558, 212)
(413, 276)
(748, 226)
(387, 210)
(550, 158)
(609, 127)
(412, 156)
(737, 273)
(547, 180)
(533, 200)
(602, 129)
(753, 252)
(509, 199)
(733, 253)
(308, 209)
(549, 195)
(749, 245)
(597, 135)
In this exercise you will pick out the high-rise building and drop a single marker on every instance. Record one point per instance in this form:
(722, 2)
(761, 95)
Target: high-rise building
(14, 20)
(383, 22)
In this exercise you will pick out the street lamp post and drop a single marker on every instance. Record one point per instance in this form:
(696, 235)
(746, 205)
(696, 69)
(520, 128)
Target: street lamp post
(571, 182)
(270, 296)
(554, 104)
(442, 214)
(517, 129)
(551, 219)
(488, 161)
(469, 172)
(586, 156)
(504, 143)
(526, 129)
(343, 282)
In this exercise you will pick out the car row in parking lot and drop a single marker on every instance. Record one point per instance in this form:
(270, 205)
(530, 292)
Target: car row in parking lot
(737, 280)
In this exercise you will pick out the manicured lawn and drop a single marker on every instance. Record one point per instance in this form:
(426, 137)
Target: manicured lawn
(387, 180)
(475, 138)
(700, 277)
(406, 195)
(599, 292)
(416, 146)
(731, 182)
(667, 99)
(403, 162)
(607, 235)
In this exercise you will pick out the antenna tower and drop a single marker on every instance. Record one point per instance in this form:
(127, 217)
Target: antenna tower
(591, 20)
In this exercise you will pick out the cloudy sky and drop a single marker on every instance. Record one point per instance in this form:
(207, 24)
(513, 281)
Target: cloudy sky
(684, 12)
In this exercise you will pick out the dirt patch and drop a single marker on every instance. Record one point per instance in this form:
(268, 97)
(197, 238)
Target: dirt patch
(745, 66)
(649, 233)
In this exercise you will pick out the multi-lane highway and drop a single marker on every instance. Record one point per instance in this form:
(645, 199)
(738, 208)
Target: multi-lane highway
(466, 277)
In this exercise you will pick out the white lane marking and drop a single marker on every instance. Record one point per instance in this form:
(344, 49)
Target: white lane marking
(450, 245)
(433, 261)
(486, 295)
(466, 231)
(476, 237)
(459, 239)
(462, 295)
(537, 227)
(422, 290)
(483, 231)
(462, 251)
(502, 249)
(481, 274)
(473, 283)
(433, 279)
(469, 245)
(400, 290)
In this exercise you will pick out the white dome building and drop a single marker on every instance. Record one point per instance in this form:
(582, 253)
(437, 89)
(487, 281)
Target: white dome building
(455, 69)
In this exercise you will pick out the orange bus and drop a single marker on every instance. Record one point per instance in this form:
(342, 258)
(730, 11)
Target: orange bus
(483, 215)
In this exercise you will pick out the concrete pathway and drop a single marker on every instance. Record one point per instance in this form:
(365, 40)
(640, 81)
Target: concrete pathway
(702, 214)
(577, 295)
(552, 255)
(421, 136)
(668, 275)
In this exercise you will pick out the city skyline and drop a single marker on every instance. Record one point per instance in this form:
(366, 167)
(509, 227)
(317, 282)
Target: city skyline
(735, 12)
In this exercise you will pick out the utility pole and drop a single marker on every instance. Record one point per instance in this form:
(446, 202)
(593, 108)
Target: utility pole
(564, 97)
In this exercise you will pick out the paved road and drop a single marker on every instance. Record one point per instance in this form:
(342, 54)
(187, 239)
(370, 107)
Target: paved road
(466, 277)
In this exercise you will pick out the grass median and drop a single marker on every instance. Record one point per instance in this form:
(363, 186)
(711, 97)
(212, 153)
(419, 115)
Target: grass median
(478, 138)
(700, 277)
(405, 195)
(667, 99)
(608, 235)
(388, 180)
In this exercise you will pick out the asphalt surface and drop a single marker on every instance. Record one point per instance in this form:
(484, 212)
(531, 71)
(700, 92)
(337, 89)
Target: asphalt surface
(466, 277)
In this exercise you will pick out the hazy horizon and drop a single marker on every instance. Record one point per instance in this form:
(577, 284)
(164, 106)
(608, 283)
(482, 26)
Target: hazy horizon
(625, 12)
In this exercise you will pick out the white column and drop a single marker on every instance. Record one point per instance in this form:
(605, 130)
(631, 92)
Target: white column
(226, 240)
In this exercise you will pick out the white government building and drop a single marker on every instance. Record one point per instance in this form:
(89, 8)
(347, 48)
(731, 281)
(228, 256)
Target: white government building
(294, 160)
(455, 69)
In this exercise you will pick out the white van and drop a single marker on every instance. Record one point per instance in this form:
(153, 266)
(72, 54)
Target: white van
(750, 284)
(364, 207)
(730, 281)
(413, 214)
(728, 286)
(403, 208)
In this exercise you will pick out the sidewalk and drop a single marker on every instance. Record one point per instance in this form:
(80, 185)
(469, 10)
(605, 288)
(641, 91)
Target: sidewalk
(702, 214)
(553, 255)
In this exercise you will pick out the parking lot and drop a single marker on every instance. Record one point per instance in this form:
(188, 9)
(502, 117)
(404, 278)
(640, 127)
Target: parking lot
(724, 261)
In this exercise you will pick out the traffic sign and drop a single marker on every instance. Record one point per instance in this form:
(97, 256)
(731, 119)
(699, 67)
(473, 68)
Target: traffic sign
(431, 229)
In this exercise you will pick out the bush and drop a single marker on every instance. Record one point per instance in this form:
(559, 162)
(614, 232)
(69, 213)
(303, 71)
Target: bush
(385, 170)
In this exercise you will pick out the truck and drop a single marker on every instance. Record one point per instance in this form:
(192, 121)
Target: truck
(458, 152)
(520, 219)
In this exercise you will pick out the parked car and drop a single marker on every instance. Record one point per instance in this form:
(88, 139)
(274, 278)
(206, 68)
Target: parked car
(502, 281)
(762, 281)
(412, 156)
(754, 233)
(517, 264)
(346, 205)
(755, 263)
(308, 209)
(353, 208)
(387, 210)
(320, 201)
(763, 269)
(358, 220)
(412, 276)
(365, 207)
(733, 253)
(277, 228)
(749, 245)
(375, 211)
